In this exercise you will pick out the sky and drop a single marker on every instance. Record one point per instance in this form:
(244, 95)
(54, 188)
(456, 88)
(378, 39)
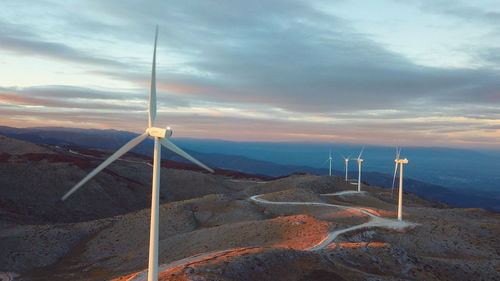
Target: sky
(387, 72)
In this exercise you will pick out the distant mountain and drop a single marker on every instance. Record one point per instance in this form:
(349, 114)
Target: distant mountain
(450, 167)
(484, 198)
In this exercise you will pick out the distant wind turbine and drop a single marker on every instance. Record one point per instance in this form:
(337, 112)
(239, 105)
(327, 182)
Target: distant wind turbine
(160, 136)
(359, 168)
(401, 162)
(330, 159)
(346, 161)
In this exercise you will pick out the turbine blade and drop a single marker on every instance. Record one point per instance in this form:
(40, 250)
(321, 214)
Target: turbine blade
(361, 152)
(124, 149)
(152, 92)
(170, 145)
(394, 177)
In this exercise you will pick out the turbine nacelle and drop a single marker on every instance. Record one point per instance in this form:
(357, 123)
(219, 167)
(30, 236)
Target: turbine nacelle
(359, 159)
(159, 132)
(401, 161)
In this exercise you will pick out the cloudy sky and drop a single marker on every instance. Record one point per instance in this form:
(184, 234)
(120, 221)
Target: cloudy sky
(411, 72)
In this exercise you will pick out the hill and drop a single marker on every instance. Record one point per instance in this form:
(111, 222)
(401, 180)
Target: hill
(228, 226)
(33, 178)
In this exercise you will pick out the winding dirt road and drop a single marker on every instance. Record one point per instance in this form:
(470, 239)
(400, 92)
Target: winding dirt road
(375, 221)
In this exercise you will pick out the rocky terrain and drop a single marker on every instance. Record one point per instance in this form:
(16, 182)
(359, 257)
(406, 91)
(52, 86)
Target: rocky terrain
(224, 226)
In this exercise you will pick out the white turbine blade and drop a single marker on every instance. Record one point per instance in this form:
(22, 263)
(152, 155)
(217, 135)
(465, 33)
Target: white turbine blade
(361, 152)
(152, 92)
(394, 177)
(170, 145)
(124, 149)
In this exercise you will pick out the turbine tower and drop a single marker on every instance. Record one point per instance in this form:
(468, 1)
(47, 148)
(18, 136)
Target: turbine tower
(160, 136)
(359, 168)
(401, 162)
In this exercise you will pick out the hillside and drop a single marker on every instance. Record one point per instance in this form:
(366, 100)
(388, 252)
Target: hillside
(227, 226)
(45, 173)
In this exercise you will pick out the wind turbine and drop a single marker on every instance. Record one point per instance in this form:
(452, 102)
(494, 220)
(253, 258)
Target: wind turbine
(160, 136)
(401, 162)
(346, 161)
(330, 159)
(359, 168)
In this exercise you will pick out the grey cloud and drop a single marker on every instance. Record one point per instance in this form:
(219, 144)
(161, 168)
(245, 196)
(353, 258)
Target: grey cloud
(292, 56)
(471, 13)
(283, 54)
(16, 39)
(490, 56)
(463, 10)
(60, 97)
(64, 91)
(63, 97)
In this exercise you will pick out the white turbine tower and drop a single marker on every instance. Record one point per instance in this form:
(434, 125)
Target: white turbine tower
(359, 168)
(346, 161)
(330, 159)
(160, 136)
(401, 162)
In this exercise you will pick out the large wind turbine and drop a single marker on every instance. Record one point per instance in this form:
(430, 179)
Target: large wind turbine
(346, 161)
(359, 168)
(160, 136)
(401, 162)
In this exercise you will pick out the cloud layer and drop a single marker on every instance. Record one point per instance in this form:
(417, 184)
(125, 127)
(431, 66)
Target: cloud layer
(264, 70)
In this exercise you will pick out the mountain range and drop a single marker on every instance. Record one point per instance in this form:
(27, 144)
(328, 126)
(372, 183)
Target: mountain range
(457, 166)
